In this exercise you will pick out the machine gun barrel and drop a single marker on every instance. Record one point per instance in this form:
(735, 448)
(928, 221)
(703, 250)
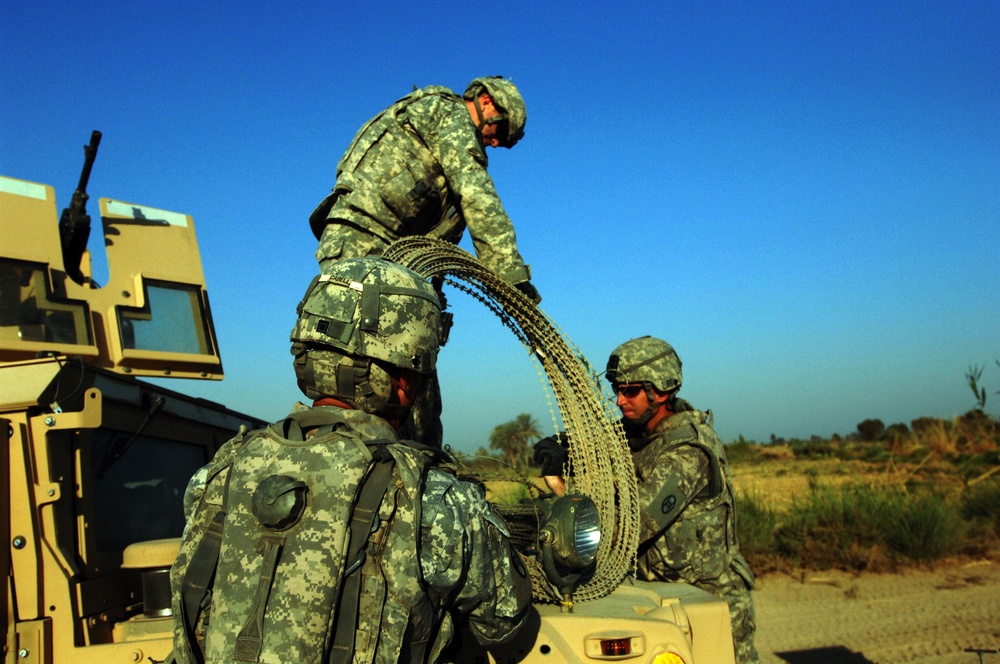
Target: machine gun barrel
(74, 224)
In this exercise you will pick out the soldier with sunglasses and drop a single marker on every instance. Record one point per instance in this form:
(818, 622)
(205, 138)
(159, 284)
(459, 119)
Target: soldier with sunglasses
(688, 514)
(688, 519)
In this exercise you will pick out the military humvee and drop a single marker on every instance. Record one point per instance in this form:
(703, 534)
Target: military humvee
(96, 460)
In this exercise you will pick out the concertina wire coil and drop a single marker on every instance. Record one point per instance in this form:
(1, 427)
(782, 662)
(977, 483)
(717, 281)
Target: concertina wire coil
(600, 464)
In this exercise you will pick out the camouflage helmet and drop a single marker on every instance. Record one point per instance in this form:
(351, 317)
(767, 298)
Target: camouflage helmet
(508, 101)
(646, 360)
(359, 314)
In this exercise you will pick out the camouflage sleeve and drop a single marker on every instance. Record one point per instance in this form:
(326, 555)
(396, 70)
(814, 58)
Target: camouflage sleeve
(196, 485)
(668, 481)
(467, 561)
(195, 490)
(447, 130)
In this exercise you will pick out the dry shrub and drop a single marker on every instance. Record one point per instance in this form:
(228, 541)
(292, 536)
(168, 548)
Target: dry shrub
(776, 452)
(873, 558)
(976, 432)
(939, 439)
(971, 433)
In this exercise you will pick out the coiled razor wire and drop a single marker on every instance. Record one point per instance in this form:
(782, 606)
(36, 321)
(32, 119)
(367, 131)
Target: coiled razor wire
(600, 464)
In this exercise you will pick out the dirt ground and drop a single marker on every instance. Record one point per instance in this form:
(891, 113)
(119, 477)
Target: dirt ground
(914, 616)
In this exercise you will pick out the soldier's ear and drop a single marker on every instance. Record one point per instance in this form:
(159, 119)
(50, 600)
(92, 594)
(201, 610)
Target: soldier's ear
(660, 398)
(406, 386)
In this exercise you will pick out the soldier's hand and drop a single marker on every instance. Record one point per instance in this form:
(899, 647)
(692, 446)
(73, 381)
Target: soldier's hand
(556, 484)
(551, 454)
(529, 290)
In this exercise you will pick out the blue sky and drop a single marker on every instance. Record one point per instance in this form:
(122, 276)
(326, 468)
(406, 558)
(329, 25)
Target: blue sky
(802, 197)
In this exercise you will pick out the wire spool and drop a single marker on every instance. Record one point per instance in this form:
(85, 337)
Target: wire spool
(600, 463)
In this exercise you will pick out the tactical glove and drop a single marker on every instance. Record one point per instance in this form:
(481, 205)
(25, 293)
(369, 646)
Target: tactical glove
(529, 290)
(551, 454)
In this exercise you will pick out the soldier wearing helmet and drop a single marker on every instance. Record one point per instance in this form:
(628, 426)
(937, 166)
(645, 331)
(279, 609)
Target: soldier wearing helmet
(686, 495)
(419, 168)
(357, 574)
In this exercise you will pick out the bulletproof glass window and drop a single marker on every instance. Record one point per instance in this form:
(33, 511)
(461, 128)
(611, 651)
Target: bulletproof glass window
(30, 312)
(173, 320)
(137, 485)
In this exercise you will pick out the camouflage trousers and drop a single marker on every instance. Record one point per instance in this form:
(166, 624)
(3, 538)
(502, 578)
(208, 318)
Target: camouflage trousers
(342, 240)
(733, 588)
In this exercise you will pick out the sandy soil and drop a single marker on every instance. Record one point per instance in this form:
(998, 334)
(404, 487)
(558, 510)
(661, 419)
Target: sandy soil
(915, 616)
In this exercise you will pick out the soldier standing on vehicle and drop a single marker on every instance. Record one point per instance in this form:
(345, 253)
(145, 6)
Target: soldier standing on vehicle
(350, 542)
(419, 168)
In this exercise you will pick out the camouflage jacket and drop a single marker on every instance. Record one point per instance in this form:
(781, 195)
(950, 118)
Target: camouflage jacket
(442, 555)
(419, 168)
(688, 518)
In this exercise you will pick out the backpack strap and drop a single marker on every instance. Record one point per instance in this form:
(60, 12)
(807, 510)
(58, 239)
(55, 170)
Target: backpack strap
(199, 576)
(438, 456)
(198, 580)
(364, 521)
(250, 640)
(297, 424)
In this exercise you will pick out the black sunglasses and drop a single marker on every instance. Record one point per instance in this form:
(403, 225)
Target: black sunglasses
(628, 391)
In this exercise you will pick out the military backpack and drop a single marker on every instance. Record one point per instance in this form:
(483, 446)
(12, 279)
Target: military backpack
(304, 549)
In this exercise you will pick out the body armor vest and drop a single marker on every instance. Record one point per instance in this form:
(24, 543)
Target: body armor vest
(303, 548)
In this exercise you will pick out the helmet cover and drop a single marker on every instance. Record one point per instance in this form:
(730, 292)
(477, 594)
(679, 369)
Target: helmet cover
(372, 308)
(508, 101)
(359, 382)
(646, 360)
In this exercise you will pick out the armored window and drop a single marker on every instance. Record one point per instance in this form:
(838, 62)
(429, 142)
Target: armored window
(173, 320)
(30, 312)
(138, 487)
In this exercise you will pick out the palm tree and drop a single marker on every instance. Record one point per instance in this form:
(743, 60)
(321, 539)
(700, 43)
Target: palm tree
(528, 431)
(514, 438)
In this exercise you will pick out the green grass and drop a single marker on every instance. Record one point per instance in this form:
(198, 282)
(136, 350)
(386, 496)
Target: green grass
(895, 496)
(756, 522)
(981, 503)
(854, 527)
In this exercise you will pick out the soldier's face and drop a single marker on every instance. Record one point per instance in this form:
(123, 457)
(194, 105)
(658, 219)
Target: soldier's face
(631, 399)
(489, 132)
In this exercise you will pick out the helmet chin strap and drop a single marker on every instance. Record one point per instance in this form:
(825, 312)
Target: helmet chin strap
(647, 414)
(482, 122)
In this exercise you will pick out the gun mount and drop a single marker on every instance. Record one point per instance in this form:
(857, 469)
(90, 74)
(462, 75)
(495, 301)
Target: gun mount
(94, 461)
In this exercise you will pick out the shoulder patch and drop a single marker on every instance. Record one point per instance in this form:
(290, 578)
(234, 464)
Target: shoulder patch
(663, 510)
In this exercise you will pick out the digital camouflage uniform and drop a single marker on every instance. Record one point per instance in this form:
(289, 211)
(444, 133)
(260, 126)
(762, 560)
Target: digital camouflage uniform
(688, 518)
(418, 168)
(456, 566)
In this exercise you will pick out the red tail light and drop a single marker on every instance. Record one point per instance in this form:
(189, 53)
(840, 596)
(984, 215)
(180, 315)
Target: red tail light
(616, 647)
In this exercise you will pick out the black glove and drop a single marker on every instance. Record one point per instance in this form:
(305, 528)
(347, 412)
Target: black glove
(551, 454)
(529, 290)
